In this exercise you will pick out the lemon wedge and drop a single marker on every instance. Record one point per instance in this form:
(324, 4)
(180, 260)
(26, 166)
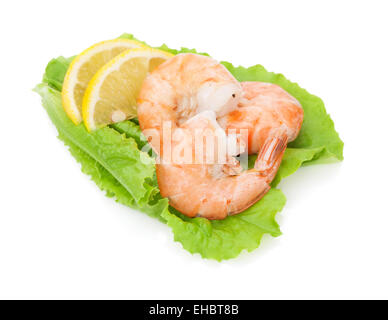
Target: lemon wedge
(111, 94)
(83, 68)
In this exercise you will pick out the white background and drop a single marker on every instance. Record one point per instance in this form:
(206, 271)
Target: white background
(60, 237)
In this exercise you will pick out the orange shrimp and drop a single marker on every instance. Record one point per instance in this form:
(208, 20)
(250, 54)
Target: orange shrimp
(215, 191)
(264, 107)
(192, 92)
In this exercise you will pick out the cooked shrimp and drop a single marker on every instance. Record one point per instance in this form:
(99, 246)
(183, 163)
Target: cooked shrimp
(264, 107)
(191, 92)
(182, 87)
(214, 191)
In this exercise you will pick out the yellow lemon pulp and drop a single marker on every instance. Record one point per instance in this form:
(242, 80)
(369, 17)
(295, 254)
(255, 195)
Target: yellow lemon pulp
(112, 92)
(84, 67)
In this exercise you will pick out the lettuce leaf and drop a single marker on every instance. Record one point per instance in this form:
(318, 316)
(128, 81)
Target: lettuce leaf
(111, 157)
(225, 239)
(317, 131)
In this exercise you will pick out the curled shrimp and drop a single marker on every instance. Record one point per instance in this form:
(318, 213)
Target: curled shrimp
(191, 92)
(264, 107)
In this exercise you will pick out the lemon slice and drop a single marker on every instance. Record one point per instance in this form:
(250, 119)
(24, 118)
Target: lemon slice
(111, 95)
(83, 68)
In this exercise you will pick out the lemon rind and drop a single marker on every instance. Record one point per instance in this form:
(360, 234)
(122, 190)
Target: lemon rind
(70, 79)
(92, 91)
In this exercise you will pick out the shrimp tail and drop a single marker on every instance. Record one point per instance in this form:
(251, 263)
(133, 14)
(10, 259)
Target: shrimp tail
(266, 167)
(270, 155)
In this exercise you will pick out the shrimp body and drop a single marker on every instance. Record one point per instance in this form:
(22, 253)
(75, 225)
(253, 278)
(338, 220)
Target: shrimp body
(192, 92)
(216, 190)
(184, 86)
(264, 107)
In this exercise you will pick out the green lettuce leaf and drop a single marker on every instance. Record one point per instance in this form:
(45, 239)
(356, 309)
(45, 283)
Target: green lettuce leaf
(225, 239)
(114, 151)
(111, 157)
(317, 131)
